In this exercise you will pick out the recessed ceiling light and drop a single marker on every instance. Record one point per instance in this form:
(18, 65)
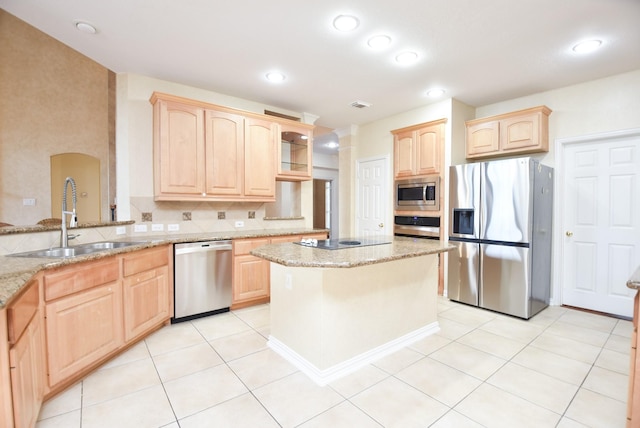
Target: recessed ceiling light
(406, 58)
(379, 42)
(275, 77)
(435, 93)
(85, 27)
(346, 23)
(587, 46)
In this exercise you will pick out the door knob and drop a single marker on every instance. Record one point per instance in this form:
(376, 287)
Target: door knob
(569, 234)
(381, 225)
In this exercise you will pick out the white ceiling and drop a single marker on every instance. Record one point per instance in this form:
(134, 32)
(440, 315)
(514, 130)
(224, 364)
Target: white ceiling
(479, 51)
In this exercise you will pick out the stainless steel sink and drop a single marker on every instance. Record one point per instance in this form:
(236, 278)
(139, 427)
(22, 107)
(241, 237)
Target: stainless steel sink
(77, 250)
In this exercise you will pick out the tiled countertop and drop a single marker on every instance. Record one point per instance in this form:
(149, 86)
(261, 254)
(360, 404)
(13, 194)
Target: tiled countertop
(16, 271)
(295, 255)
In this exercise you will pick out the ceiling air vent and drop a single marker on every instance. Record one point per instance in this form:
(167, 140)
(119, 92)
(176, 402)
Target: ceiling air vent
(360, 104)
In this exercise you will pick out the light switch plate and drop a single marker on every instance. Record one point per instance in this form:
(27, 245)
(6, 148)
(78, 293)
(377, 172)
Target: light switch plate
(239, 223)
(157, 227)
(140, 228)
(173, 227)
(121, 230)
(28, 201)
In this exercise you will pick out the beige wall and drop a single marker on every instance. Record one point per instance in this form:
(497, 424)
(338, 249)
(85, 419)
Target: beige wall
(52, 100)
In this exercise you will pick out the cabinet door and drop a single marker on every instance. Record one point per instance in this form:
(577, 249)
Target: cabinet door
(517, 133)
(86, 326)
(404, 154)
(146, 301)
(251, 278)
(224, 147)
(180, 156)
(260, 158)
(28, 374)
(294, 153)
(427, 141)
(483, 139)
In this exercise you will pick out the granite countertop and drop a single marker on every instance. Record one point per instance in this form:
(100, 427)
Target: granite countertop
(295, 255)
(634, 280)
(15, 272)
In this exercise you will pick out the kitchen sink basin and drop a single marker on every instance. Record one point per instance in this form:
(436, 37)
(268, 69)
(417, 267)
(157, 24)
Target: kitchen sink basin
(77, 250)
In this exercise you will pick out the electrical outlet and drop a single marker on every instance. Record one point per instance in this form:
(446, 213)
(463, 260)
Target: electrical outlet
(139, 227)
(121, 230)
(173, 227)
(29, 201)
(157, 227)
(239, 223)
(287, 281)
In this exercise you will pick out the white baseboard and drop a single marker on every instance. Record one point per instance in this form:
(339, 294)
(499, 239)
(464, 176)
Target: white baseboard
(323, 377)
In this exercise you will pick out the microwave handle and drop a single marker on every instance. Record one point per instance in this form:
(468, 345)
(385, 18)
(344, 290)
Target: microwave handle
(424, 193)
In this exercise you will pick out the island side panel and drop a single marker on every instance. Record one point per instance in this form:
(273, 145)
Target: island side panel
(329, 316)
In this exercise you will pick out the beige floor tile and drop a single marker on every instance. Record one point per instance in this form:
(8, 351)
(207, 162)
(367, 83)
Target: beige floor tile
(358, 381)
(567, 347)
(344, 415)
(570, 423)
(619, 344)
(615, 361)
(148, 408)
(454, 419)
(393, 403)
(243, 411)
(534, 386)
(623, 328)
(66, 420)
(173, 337)
(67, 401)
(255, 316)
(107, 384)
(185, 361)
(451, 329)
(199, 391)
(514, 329)
(296, 399)
(590, 321)
(554, 365)
(137, 352)
(596, 410)
(609, 383)
(398, 360)
(492, 343)
(239, 345)
(261, 368)
(430, 344)
(495, 408)
(439, 381)
(468, 316)
(468, 360)
(583, 334)
(221, 325)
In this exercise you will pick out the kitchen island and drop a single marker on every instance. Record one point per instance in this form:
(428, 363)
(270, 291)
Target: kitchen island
(335, 311)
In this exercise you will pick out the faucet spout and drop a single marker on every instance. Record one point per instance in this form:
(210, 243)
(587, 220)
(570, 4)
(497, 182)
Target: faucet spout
(73, 221)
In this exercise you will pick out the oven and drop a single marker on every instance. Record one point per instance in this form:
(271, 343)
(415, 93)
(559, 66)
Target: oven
(417, 194)
(417, 227)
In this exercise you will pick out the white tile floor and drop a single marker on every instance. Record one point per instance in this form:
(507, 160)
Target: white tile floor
(563, 368)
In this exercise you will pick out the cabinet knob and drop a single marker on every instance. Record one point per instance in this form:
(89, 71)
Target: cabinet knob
(569, 234)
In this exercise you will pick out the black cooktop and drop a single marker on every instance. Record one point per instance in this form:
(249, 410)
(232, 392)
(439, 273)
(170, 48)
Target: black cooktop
(342, 243)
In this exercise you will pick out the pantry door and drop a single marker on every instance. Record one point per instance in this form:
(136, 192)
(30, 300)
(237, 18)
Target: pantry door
(600, 212)
(372, 198)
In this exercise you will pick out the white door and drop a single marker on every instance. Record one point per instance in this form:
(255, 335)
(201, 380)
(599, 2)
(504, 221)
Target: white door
(600, 209)
(372, 198)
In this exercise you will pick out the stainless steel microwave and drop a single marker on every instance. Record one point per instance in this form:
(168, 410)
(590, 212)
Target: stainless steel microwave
(418, 194)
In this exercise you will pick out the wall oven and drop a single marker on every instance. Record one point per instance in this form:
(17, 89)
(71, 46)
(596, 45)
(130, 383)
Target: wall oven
(417, 194)
(417, 227)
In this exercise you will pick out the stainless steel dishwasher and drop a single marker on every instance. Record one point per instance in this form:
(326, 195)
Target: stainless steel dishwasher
(202, 279)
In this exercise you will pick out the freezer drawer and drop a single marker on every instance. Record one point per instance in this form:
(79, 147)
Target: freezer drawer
(505, 278)
(463, 272)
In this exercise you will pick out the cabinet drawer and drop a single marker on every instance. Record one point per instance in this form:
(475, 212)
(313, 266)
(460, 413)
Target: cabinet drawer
(244, 247)
(145, 260)
(80, 277)
(20, 312)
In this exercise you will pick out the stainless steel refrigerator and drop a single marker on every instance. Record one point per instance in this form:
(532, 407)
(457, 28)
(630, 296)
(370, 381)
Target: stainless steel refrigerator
(500, 222)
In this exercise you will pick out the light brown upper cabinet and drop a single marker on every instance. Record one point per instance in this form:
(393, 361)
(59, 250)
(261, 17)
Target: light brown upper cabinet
(208, 152)
(295, 152)
(519, 132)
(417, 149)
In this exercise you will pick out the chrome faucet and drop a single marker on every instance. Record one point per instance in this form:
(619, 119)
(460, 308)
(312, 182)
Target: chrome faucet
(73, 222)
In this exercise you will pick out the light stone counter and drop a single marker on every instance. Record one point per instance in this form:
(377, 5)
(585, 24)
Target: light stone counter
(329, 321)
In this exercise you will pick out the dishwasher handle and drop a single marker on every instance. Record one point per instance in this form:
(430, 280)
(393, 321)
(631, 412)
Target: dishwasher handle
(203, 247)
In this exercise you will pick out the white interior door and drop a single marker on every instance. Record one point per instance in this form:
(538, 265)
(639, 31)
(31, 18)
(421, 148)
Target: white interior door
(600, 208)
(372, 198)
